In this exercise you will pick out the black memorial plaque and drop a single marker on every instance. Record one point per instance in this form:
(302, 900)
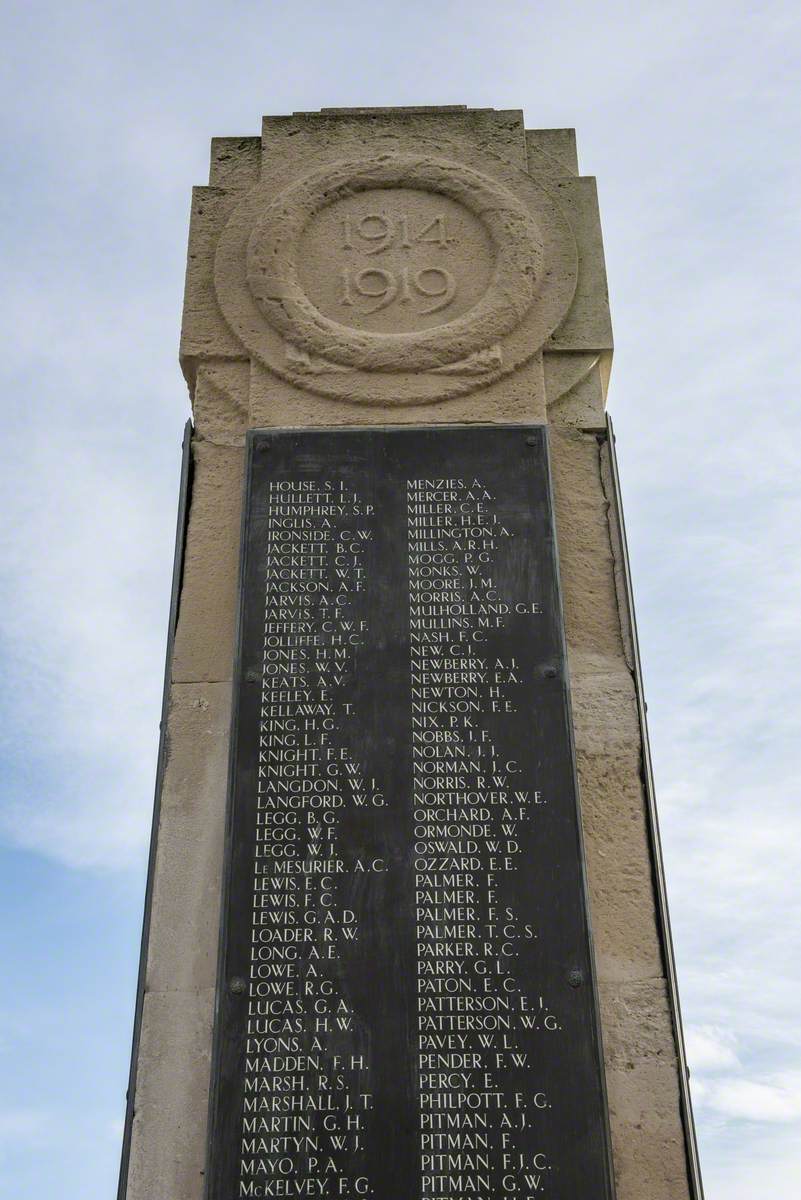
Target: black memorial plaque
(406, 1006)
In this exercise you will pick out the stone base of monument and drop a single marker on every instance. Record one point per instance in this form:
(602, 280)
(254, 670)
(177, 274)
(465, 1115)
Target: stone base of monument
(406, 928)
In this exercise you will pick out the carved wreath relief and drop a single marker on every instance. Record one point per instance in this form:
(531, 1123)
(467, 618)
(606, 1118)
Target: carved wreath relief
(401, 278)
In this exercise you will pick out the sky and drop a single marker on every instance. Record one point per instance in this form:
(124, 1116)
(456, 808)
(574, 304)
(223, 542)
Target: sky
(688, 114)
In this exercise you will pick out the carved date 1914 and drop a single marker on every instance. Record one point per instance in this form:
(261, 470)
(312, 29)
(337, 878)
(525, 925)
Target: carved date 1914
(374, 288)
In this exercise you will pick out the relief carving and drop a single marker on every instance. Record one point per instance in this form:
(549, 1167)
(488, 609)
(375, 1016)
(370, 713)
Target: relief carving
(398, 278)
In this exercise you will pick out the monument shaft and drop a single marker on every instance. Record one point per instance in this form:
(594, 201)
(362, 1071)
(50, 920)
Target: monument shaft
(397, 341)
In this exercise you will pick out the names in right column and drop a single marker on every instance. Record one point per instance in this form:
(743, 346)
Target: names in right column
(481, 1032)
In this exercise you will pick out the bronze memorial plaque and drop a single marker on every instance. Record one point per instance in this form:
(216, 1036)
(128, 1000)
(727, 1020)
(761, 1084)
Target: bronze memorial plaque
(406, 1004)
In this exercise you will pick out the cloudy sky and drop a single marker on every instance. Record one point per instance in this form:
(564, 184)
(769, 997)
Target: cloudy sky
(688, 113)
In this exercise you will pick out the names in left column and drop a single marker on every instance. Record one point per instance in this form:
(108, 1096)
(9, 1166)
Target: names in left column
(305, 1062)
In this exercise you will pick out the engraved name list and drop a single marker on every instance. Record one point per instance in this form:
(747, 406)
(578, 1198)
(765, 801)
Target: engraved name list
(406, 1004)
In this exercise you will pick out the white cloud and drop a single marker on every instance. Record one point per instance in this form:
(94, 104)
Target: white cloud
(115, 1129)
(85, 628)
(85, 570)
(761, 1171)
(709, 1048)
(751, 1100)
(721, 1085)
(22, 1125)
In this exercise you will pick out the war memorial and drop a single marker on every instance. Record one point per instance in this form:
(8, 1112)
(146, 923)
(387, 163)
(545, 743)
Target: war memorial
(406, 934)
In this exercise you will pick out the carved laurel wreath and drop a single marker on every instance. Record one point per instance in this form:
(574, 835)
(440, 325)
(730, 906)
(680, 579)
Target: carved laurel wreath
(273, 278)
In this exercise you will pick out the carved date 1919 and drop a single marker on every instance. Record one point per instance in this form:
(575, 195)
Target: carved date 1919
(375, 288)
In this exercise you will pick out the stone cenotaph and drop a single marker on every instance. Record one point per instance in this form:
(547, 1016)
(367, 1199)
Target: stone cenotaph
(405, 933)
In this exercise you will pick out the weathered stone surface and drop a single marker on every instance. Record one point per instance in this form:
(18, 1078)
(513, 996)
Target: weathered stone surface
(235, 162)
(604, 704)
(204, 640)
(168, 1144)
(186, 891)
(220, 402)
(575, 389)
(647, 1144)
(520, 399)
(618, 868)
(204, 334)
(638, 1024)
(639, 1043)
(587, 324)
(496, 134)
(557, 146)
(592, 619)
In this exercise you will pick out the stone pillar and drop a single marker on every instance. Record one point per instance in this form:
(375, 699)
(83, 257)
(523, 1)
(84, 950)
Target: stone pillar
(272, 337)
